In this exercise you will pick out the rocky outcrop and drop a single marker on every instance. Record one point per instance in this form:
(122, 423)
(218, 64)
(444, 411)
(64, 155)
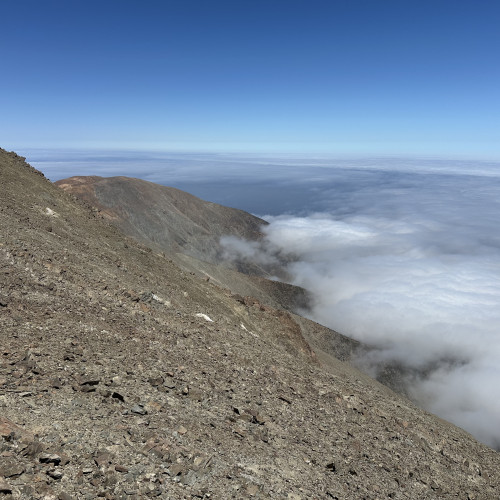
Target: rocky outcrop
(123, 376)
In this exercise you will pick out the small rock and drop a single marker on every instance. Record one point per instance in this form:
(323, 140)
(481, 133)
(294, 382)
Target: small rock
(331, 467)
(118, 396)
(55, 473)
(204, 316)
(88, 380)
(121, 468)
(182, 430)
(139, 409)
(252, 489)
(47, 458)
(5, 489)
(88, 388)
(10, 468)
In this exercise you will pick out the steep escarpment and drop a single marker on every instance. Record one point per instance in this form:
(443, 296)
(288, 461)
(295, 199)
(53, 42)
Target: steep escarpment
(123, 376)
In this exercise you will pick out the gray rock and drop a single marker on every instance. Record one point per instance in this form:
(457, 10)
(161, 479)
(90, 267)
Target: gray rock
(139, 409)
(5, 488)
(55, 474)
(9, 467)
(47, 458)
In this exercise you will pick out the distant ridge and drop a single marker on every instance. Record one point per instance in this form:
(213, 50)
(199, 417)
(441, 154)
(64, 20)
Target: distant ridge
(163, 217)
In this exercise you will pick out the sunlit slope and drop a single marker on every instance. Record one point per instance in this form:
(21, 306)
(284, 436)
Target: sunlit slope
(114, 382)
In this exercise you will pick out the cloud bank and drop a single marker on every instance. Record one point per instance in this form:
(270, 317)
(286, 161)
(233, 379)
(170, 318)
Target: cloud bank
(408, 263)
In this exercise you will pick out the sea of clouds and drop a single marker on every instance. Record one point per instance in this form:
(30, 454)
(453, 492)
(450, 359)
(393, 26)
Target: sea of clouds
(401, 254)
(407, 261)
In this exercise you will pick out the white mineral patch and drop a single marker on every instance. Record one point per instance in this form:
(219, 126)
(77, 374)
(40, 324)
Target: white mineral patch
(204, 316)
(160, 300)
(51, 212)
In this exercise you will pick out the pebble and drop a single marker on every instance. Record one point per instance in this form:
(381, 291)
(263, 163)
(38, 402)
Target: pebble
(55, 473)
(47, 458)
(139, 409)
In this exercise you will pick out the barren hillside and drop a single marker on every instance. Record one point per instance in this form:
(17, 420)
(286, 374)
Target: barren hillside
(163, 217)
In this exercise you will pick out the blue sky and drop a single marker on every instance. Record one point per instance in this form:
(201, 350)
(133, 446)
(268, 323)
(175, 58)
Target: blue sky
(360, 77)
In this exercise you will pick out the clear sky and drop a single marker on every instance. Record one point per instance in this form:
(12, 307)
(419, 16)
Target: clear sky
(334, 76)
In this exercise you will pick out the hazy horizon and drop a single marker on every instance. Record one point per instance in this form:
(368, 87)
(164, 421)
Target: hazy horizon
(335, 77)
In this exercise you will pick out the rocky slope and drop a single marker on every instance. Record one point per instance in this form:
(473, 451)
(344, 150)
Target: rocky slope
(188, 230)
(124, 377)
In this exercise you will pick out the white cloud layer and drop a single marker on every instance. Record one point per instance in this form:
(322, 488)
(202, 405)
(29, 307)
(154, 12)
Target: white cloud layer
(411, 266)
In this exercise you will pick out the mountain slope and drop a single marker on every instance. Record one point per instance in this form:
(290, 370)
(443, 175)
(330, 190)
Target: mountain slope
(188, 230)
(113, 384)
(163, 217)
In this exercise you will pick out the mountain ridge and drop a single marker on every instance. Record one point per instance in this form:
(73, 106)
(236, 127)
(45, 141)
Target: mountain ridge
(163, 217)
